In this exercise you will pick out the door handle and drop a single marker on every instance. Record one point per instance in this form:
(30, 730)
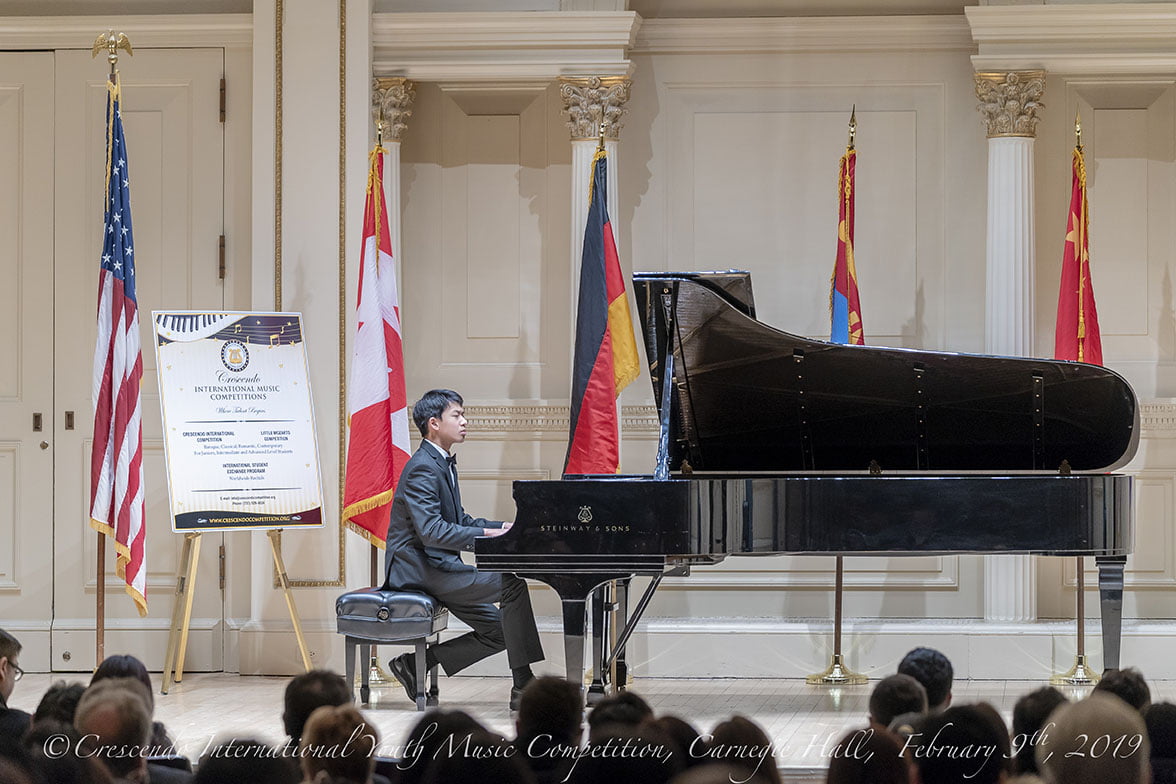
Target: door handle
(37, 422)
(69, 420)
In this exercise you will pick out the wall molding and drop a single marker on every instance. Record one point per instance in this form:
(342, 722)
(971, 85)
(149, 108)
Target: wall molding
(547, 422)
(1157, 418)
(804, 34)
(144, 30)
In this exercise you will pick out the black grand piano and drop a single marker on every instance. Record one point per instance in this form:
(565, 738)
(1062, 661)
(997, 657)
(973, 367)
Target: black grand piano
(775, 443)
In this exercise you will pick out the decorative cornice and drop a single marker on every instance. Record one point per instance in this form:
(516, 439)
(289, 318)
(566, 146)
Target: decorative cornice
(502, 49)
(1135, 38)
(551, 422)
(1157, 418)
(1009, 101)
(146, 30)
(588, 101)
(804, 34)
(392, 97)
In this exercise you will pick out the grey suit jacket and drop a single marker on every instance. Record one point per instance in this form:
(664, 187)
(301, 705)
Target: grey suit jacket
(428, 528)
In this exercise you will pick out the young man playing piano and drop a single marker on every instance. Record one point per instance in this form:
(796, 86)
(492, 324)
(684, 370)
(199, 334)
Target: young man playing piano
(427, 531)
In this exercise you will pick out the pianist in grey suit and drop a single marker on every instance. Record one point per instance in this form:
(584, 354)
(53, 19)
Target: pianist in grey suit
(427, 531)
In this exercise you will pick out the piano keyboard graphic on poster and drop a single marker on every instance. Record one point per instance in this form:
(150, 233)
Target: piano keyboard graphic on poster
(238, 421)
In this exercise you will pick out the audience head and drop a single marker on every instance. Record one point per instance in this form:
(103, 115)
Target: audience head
(1128, 685)
(11, 772)
(1160, 719)
(1029, 716)
(688, 746)
(932, 669)
(962, 728)
(432, 405)
(625, 708)
(436, 731)
(348, 744)
(481, 758)
(125, 666)
(113, 719)
(309, 691)
(550, 711)
(742, 744)
(59, 702)
(236, 761)
(10, 671)
(868, 756)
(52, 747)
(620, 753)
(1066, 755)
(895, 695)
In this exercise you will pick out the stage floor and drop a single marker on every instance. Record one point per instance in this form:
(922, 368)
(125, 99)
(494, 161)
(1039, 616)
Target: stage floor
(804, 722)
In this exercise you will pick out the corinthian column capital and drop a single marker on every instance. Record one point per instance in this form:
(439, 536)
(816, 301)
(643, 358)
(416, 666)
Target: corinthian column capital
(392, 99)
(1009, 101)
(589, 100)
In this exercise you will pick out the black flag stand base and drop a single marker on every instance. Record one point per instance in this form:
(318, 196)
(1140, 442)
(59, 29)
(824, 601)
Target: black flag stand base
(837, 674)
(1080, 674)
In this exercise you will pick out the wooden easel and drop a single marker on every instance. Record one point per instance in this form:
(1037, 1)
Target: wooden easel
(177, 638)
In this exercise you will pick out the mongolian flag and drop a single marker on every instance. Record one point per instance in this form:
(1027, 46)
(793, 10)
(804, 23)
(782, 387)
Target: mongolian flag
(606, 354)
(116, 457)
(377, 404)
(1076, 336)
(844, 306)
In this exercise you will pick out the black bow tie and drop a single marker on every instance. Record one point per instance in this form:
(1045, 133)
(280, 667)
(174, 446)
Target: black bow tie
(452, 460)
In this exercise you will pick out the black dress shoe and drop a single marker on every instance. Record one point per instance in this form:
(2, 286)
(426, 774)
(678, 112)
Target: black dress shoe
(515, 694)
(403, 668)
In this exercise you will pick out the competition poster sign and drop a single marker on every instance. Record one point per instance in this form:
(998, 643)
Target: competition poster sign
(238, 421)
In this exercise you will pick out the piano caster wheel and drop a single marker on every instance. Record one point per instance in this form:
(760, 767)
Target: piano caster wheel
(365, 694)
(595, 695)
(432, 701)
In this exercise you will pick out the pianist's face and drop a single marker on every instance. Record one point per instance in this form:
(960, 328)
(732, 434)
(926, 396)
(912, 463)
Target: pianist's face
(450, 428)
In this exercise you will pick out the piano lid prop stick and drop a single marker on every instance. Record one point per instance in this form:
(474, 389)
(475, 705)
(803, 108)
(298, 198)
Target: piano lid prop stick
(1080, 674)
(837, 674)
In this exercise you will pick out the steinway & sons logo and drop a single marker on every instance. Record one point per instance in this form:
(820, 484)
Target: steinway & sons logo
(586, 525)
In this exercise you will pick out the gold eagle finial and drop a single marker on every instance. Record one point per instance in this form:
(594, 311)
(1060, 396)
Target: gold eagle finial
(112, 43)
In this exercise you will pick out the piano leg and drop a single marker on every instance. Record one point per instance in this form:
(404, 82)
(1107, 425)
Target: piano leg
(1110, 591)
(598, 688)
(622, 602)
(574, 620)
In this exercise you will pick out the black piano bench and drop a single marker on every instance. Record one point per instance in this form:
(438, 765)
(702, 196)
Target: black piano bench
(373, 616)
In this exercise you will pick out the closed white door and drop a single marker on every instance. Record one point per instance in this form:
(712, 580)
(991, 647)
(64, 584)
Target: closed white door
(175, 144)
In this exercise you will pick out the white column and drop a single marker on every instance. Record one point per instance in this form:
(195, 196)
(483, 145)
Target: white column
(587, 102)
(1009, 102)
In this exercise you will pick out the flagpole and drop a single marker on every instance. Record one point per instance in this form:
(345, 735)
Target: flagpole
(1080, 673)
(111, 43)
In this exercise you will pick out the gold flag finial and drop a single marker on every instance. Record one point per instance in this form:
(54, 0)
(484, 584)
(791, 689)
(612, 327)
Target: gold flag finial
(1078, 129)
(852, 126)
(112, 43)
(600, 142)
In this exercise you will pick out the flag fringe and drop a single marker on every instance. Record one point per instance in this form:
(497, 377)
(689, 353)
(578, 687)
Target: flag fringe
(366, 534)
(366, 504)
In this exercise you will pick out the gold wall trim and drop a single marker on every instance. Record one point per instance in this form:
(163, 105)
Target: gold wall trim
(339, 580)
(546, 422)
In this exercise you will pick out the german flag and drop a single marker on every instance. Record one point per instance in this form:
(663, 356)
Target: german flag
(606, 354)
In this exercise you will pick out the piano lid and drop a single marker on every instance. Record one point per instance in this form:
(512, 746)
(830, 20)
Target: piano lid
(750, 397)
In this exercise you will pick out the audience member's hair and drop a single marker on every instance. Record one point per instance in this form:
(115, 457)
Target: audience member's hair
(9, 645)
(743, 744)
(427, 739)
(550, 706)
(962, 727)
(479, 759)
(432, 405)
(12, 772)
(895, 695)
(125, 666)
(867, 756)
(59, 702)
(1029, 716)
(904, 725)
(1064, 754)
(113, 713)
(245, 761)
(309, 691)
(688, 745)
(650, 757)
(52, 747)
(932, 669)
(1128, 685)
(1160, 718)
(625, 708)
(347, 742)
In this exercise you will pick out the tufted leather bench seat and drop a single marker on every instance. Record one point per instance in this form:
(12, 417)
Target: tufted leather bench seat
(374, 616)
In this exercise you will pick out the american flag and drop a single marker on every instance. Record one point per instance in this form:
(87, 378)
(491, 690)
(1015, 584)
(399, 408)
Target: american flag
(116, 463)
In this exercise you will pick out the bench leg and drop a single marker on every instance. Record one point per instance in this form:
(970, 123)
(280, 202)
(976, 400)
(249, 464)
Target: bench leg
(420, 675)
(349, 661)
(365, 658)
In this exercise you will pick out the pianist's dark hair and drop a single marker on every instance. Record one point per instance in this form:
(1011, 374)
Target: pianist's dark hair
(433, 404)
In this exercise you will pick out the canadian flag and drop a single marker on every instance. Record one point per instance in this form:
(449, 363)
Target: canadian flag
(377, 405)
